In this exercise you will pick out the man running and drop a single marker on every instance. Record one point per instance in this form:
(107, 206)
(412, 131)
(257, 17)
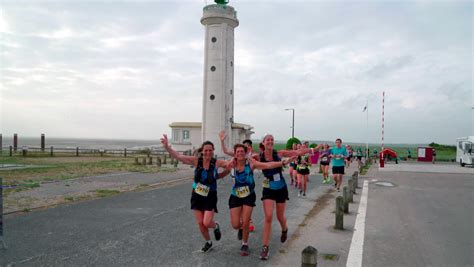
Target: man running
(338, 155)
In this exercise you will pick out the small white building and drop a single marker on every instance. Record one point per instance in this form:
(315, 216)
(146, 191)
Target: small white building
(187, 136)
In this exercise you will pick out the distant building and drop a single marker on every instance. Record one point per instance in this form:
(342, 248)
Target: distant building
(218, 91)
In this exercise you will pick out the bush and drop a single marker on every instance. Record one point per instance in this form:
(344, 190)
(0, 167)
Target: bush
(291, 141)
(313, 145)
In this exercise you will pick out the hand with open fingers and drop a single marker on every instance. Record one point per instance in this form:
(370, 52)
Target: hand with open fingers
(222, 135)
(164, 140)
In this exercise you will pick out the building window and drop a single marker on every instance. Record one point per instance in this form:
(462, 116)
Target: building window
(214, 39)
(185, 135)
(175, 135)
(213, 68)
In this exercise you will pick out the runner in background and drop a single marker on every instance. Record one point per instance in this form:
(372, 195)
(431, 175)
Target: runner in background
(338, 155)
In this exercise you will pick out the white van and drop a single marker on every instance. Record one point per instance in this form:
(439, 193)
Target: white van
(464, 151)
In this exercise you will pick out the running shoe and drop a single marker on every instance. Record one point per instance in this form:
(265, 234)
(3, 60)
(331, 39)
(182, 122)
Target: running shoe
(207, 247)
(217, 232)
(304, 194)
(264, 253)
(244, 250)
(239, 234)
(284, 235)
(299, 194)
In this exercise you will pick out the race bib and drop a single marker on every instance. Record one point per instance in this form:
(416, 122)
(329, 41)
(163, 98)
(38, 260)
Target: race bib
(202, 190)
(324, 159)
(243, 191)
(276, 177)
(266, 183)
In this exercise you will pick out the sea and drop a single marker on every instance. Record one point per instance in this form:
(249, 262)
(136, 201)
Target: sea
(84, 143)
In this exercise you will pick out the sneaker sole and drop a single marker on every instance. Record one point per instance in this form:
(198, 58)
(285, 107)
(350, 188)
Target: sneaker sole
(206, 251)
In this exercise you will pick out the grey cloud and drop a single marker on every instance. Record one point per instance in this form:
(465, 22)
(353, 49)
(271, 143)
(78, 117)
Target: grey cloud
(382, 69)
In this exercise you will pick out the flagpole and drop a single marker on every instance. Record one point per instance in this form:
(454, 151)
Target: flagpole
(367, 132)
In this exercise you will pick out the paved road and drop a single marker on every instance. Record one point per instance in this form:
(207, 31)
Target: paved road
(154, 227)
(425, 220)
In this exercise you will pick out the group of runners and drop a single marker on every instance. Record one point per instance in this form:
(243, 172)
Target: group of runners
(242, 196)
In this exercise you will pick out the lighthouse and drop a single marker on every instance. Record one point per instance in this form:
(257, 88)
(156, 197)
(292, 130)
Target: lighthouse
(219, 20)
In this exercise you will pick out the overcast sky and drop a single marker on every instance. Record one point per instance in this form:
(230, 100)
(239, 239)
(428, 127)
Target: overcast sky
(127, 69)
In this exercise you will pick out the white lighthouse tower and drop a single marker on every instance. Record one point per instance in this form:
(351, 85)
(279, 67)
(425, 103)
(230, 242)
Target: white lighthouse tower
(220, 20)
(218, 94)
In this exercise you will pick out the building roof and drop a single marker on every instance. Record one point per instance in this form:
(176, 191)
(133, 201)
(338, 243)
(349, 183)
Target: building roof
(199, 125)
(185, 125)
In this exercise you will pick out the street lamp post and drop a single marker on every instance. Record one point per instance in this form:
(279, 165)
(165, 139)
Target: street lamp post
(293, 122)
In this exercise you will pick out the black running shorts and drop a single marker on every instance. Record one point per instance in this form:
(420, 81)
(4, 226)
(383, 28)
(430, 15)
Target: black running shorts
(235, 202)
(338, 170)
(279, 195)
(201, 203)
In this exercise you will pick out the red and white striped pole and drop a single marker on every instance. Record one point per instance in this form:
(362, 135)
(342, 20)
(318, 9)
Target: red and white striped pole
(382, 163)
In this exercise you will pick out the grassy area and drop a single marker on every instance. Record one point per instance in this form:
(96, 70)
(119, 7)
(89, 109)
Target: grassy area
(64, 168)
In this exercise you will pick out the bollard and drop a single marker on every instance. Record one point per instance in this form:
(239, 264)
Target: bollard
(339, 213)
(309, 257)
(175, 163)
(356, 176)
(51, 151)
(353, 186)
(24, 151)
(158, 161)
(345, 194)
(164, 159)
(144, 161)
(150, 161)
(351, 199)
(11, 151)
(125, 152)
(77, 151)
(136, 161)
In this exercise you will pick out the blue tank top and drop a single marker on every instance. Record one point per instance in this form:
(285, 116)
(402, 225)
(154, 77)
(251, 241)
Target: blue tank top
(206, 177)
(244, 178)
(275, 175)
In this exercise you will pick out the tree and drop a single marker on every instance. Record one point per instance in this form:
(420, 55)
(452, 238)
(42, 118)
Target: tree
(291, 141)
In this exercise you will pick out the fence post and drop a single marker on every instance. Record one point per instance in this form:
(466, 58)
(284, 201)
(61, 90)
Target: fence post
(351, 199)
(309, 257)
(125, 152)
(144, 161)
(51, 152)
(175, 163)
(150, 161)
(77, 151)
(11, 151)
(339, 213)
(15, 142)
(136, 161)
(42, 142)
(24, 151)
(164, 159)
(345, 195)
(158, 161)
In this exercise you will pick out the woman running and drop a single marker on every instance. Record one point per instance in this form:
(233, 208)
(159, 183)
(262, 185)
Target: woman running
(292, 169)
(204, 193)
(324, 162)
(275, 191)
(242, 198)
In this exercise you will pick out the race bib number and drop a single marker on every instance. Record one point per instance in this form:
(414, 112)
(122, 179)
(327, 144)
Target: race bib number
(276, 177)
(324, 159)
(266, 183)
(202, 190)
(243, 191)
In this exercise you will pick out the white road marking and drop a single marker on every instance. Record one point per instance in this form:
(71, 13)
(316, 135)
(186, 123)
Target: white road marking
(356, 250)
